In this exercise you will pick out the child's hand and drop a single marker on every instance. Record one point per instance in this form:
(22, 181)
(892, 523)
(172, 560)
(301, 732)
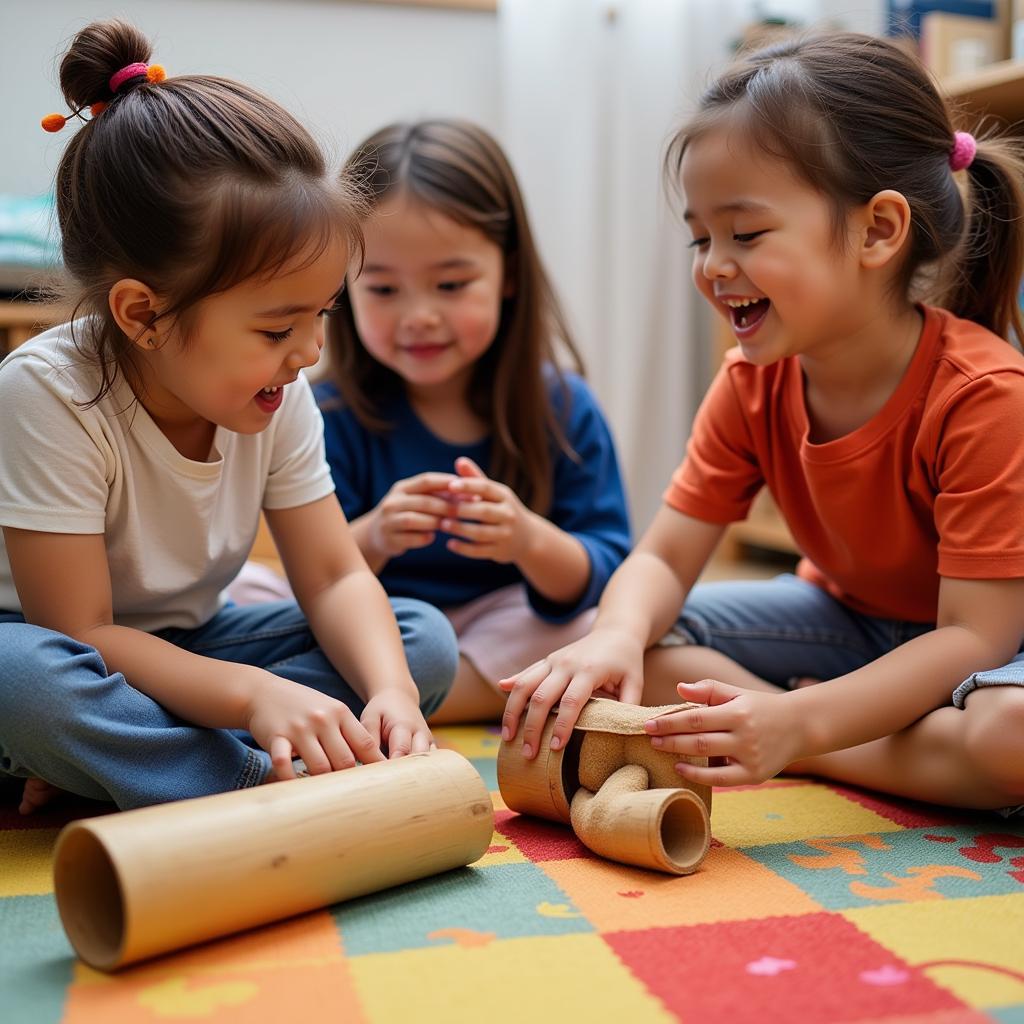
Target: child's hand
(759, 733)
(36, 794)
(490, 520)
(393, 719)
(410, 514)
(605, 662)
(290, 720)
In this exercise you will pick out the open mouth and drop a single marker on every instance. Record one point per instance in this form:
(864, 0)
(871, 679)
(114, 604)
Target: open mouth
(269, 399)
(747, 314)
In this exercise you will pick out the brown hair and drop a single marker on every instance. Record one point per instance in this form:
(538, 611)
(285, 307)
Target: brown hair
(854, 115)
(458, 169)
(192, 186)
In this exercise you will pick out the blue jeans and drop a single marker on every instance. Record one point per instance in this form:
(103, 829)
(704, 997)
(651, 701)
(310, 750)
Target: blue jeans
(66, 719)
(785, 628)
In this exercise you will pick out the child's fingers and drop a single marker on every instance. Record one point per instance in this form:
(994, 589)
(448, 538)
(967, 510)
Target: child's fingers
(281, 757)
(495, 512)
(570, 704)
(466, 467)
(470, 549)
(368, 739)
(339, 755)
(422, 741)
(414, 522)
(544, 698)
(732, 774)
(425, 483)
(483, 489)
(479, 533)
(426, 504)
(520, 688)
(708, 691)
(399, 741)
(697, 744)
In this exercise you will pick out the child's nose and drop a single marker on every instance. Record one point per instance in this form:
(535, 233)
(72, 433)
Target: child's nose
(308, 353)
(718, 264)
(421, 315)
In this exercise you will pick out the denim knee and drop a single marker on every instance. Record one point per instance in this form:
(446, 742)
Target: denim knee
(431, 649)
(34, 690)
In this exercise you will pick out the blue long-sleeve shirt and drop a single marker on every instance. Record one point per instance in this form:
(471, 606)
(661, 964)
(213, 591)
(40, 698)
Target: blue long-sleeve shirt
(588, 498)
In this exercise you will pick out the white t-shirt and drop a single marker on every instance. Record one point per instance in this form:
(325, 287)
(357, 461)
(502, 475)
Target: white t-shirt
(176, 531)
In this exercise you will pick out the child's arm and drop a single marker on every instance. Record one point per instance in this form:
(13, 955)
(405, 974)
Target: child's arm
(980, 625)
(63, 584)
(351, 617)
(640, 604)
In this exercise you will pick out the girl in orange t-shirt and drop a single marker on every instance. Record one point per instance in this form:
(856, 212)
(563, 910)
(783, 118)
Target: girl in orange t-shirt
(821, 179)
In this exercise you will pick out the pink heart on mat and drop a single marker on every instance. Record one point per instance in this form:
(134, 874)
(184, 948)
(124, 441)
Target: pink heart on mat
(886, 975)
(770, 965)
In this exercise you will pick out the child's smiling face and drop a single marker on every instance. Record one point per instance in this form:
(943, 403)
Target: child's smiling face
(243, 344)
(766, 255)
(427, 303)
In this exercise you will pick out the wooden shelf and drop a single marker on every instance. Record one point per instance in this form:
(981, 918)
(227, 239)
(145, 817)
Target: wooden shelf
(997, 90)
(20, 321)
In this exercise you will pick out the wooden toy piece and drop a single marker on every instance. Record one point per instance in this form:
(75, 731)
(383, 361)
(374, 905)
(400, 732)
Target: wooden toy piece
(139, 883)
(614, 735)
(665, 829)
(543, 787)
(648, 816)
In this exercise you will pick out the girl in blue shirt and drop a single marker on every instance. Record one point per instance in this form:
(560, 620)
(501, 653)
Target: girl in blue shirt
(476, 473)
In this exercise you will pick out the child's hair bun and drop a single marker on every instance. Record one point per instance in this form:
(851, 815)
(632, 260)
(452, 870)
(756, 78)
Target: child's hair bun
(98, 52)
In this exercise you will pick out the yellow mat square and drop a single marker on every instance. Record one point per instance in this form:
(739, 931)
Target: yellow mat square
(27, 858)
(990, 928)
(575, 976)
(785, 814)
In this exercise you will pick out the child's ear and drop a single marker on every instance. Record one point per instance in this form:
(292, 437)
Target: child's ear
(885, 226)
(134, 307)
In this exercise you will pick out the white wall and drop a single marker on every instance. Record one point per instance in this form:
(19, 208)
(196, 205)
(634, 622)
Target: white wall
(346, 69)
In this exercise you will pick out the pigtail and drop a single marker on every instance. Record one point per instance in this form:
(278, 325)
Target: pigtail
(988, 273)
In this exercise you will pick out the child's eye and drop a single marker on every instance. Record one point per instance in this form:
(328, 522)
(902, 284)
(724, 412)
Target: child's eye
(278, 336)
(699, 243)
(452, 286)
(381, 289)
(748, 236)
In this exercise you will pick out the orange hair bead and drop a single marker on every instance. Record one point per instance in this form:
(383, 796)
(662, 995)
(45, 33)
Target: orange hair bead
(156, 73)
(53, 122)
(97, 108)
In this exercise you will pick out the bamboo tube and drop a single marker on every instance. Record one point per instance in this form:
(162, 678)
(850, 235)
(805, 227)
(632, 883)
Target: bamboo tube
(665, 829)
(543, 787)
(139, 883)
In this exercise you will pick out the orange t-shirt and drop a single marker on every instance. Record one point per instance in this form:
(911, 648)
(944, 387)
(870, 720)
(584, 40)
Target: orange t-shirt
(931, 486)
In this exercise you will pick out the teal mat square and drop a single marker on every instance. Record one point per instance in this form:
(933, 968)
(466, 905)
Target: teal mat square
(36, 961)
(948, 862)
(506, 901)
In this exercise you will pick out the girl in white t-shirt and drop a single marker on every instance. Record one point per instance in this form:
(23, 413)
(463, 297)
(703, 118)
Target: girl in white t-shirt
(139, 442)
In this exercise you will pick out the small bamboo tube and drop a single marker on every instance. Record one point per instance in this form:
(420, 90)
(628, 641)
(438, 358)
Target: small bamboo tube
(139, 883)
(543, 787)
(664, 829)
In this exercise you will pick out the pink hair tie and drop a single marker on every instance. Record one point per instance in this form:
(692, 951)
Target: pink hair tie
(961, 156)
(118, 78)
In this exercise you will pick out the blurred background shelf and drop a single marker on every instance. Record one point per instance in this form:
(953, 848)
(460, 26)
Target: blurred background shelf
(997, 90)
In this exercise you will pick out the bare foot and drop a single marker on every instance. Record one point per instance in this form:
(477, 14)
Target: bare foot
(37, 793)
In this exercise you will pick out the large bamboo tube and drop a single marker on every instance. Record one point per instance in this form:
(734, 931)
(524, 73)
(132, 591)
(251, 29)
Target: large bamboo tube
(139, 883)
